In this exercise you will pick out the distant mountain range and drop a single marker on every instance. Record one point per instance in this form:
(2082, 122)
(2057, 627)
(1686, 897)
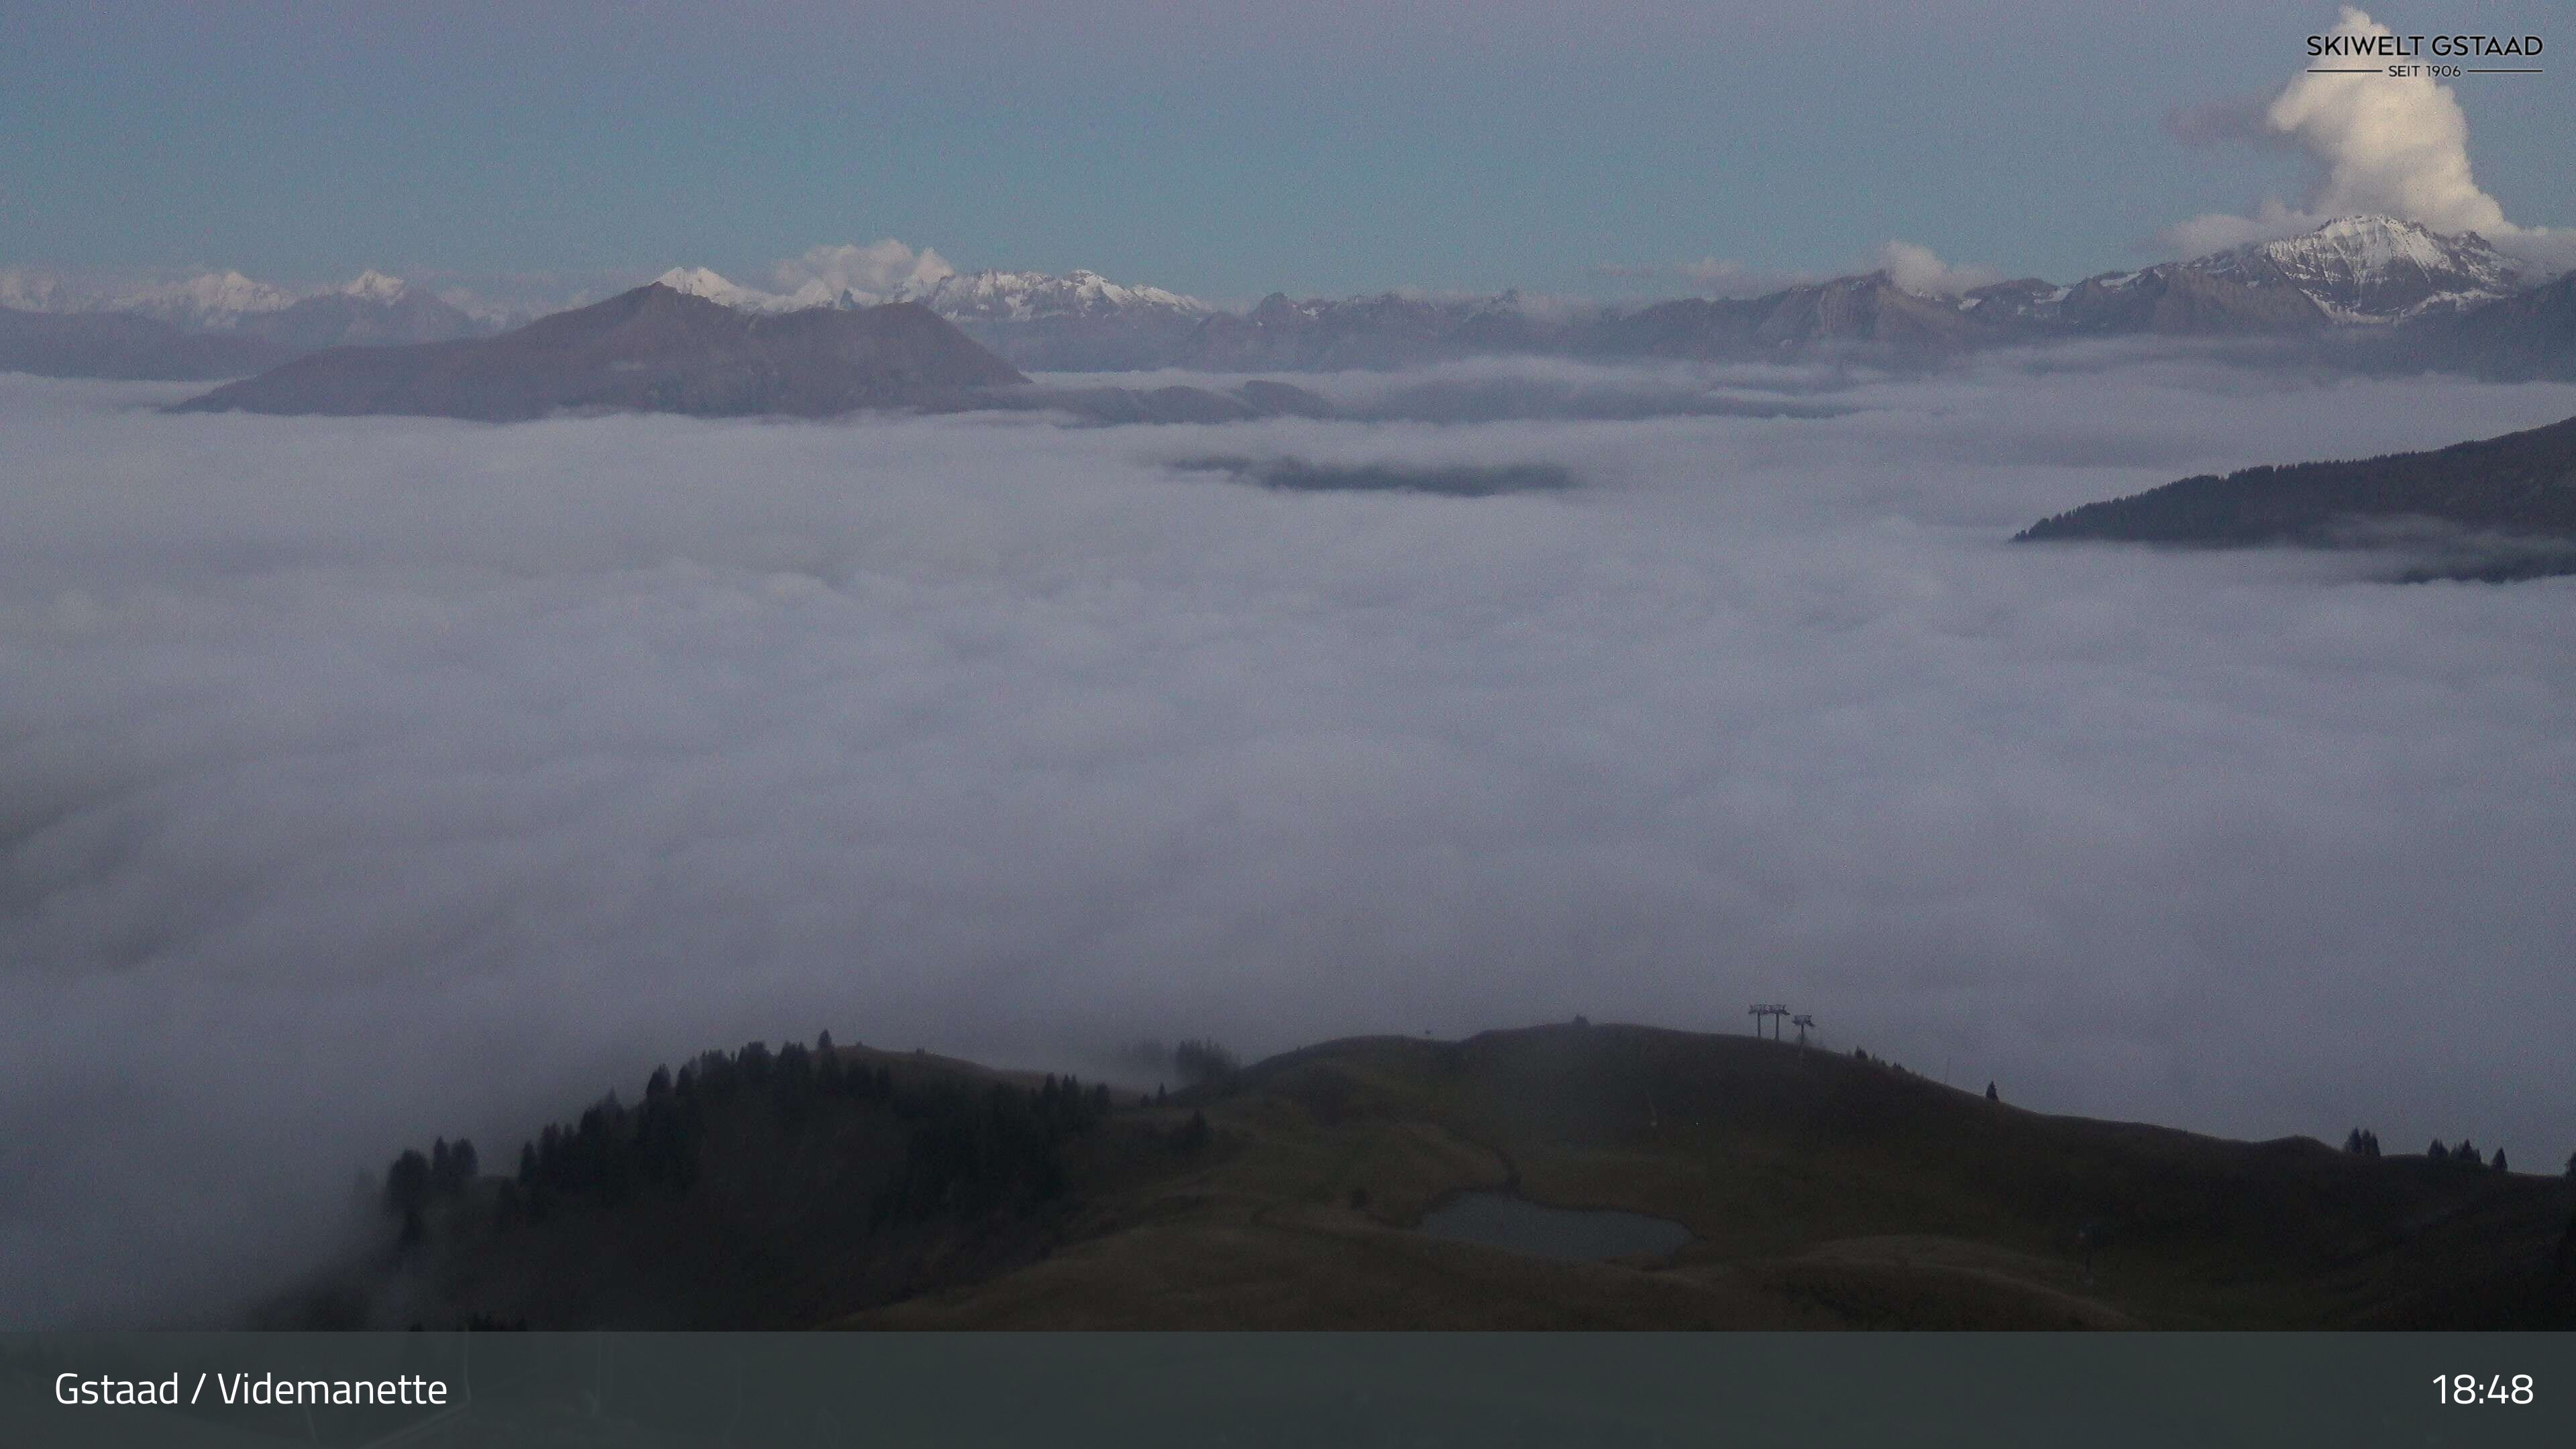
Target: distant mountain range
(125, 346)
(2499, 508)
(2372, 269)
(2365, 292)
(654, 349)
(660, 349)
(1081, 322)
(216, 325)
(2406, 292)
(2369, 292)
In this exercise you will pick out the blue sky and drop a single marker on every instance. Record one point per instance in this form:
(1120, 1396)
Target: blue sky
(1221, 148)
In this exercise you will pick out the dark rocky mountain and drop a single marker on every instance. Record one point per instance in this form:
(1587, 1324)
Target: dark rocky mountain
(2497, 508)
(1849, 314)
(2024, 301)
(1387, 330)
(649, 350)
(127, 347)
(2530, 334)
(2181, 300)
(2176, 299)
(1121, 342)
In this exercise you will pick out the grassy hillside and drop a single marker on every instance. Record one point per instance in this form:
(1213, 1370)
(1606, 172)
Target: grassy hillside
(1821, 1190)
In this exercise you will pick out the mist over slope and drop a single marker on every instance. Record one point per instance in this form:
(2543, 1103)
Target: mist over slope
(367, 778)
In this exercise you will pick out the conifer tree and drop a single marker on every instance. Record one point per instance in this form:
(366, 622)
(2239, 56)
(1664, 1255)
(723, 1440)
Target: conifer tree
(407, 1183)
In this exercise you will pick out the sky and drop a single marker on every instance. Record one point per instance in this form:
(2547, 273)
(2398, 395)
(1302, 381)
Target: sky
(371, 780)
(1225, 149)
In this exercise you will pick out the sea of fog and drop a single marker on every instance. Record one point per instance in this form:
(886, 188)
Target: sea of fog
(364, 780)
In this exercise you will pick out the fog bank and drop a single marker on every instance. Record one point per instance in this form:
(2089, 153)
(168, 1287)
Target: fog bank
(368, 779)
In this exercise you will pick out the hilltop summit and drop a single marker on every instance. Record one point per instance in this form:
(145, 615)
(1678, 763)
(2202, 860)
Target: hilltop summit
(653, 349)
(2373, 269)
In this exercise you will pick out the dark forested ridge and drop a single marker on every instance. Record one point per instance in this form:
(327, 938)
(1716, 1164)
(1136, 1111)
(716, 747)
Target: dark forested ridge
(814, 1186)
(2496, 508)
(755, 1188)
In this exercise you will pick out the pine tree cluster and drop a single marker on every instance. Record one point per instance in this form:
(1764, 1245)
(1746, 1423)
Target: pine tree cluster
(966, 1151)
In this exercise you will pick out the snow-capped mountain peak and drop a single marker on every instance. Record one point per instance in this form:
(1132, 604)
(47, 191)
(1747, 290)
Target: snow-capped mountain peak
(717, 288)
(221, 301)
(707, 283)
(998, 296)
(2373, 268)
(985, 296)
(210, 300)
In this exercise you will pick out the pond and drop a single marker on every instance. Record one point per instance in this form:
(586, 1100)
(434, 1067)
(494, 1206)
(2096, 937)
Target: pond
(1514, 1224)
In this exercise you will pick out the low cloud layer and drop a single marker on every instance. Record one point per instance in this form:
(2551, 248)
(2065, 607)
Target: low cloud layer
(368, 779)
(2386, 145)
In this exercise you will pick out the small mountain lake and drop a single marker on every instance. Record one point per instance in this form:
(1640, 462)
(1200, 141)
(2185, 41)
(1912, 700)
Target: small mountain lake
(1513, 1223)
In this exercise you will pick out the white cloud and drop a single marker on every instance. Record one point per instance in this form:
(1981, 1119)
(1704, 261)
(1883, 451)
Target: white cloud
(2387, 145)
(882, 271)
(2218, 231)
(368, 779)
(1916, 269)
(31, 289)
(2398, 145)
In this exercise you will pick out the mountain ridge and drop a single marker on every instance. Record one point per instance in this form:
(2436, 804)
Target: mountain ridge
(651, 349)
(2370, 292)
(2492, 508)
(842, 1185)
